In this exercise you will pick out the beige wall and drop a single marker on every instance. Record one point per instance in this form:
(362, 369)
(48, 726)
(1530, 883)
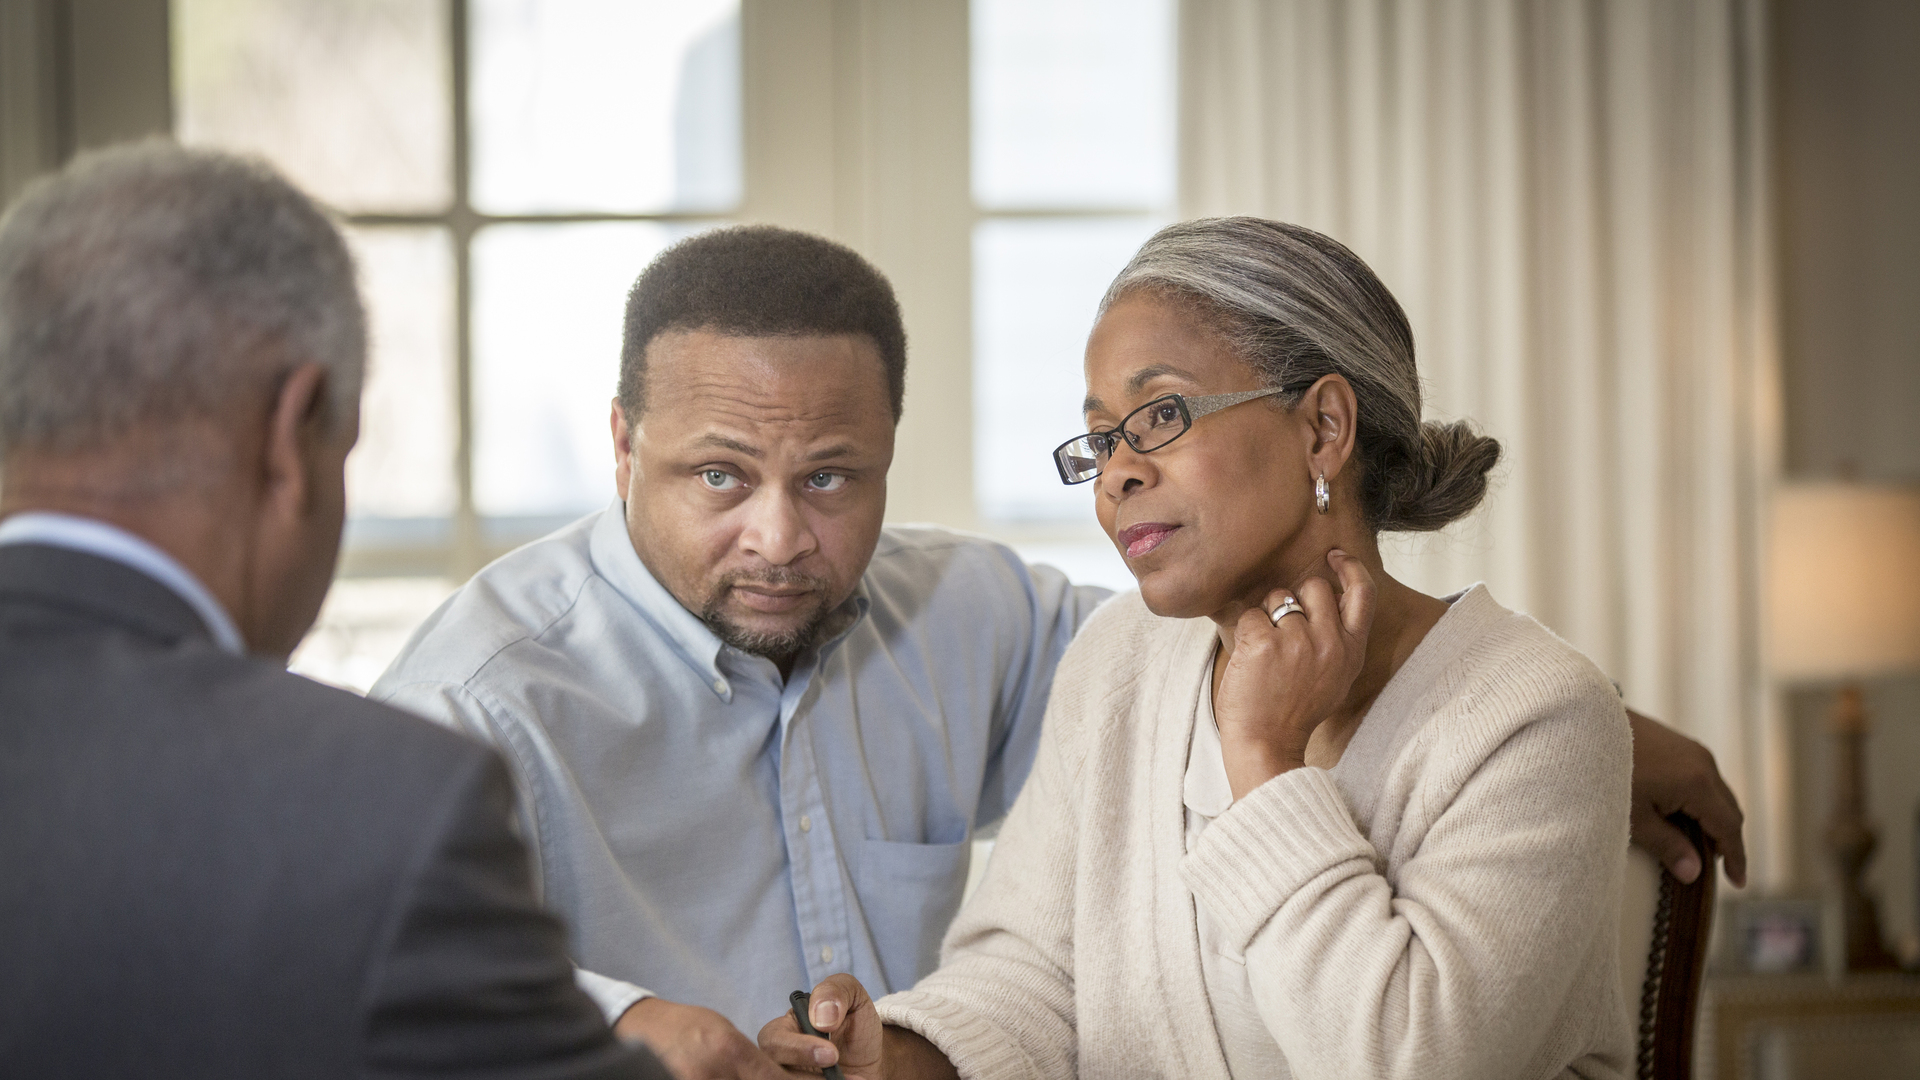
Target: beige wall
(78, 74)
(1847, 184)
(856, 116)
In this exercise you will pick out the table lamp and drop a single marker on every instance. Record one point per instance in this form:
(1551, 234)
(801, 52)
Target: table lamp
(1843, 604)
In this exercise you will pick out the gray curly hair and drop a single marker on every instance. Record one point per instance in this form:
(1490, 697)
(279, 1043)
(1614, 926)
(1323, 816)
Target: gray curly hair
(1298, 305)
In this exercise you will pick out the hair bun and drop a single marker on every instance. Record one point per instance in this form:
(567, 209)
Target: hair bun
(1444, 483)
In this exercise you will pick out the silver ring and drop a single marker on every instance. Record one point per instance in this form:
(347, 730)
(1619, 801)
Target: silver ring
(1287, 607)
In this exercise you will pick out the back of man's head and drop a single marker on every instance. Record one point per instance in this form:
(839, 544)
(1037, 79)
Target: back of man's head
(760, 281)
(151, 286)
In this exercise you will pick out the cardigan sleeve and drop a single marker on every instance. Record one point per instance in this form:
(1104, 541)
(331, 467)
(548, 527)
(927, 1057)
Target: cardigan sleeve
(1458, 966)
(1001, 1004)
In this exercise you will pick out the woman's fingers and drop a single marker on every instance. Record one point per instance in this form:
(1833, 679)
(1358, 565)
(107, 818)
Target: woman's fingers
(1666, 843)
(1338, 654)
(1356, 593)
(1276, 604)
(1317, 597)
(1722, 820)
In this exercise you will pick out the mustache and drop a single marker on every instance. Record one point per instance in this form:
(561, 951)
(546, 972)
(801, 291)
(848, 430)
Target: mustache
(778, 577)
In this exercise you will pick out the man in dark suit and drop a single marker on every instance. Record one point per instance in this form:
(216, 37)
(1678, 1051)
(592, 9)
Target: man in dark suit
(210, 867)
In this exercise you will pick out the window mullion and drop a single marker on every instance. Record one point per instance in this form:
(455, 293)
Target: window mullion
(467, 553)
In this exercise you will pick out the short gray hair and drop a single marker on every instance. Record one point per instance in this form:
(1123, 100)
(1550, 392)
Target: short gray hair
(1297, 306)
(151, 283)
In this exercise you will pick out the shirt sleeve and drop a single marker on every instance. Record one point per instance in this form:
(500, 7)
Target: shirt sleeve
(475, 979)
(612, 996)
(453, 706)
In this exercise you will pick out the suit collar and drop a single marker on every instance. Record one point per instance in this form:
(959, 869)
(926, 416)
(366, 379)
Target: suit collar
(94, 537)
(98, 588)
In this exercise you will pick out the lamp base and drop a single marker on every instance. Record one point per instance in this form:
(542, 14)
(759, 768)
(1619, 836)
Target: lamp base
(1850, 839)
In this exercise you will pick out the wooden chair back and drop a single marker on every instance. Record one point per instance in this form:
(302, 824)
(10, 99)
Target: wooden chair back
(1664, 931)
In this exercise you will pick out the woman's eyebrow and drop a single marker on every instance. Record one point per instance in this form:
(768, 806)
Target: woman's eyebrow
(1139, 380)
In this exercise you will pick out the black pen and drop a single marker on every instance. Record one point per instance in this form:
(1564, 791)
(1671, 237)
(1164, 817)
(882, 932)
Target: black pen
(802, 1002)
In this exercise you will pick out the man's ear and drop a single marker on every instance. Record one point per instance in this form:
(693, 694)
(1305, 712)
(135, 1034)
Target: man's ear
(622, 450)
(1331, 405)
(298, 424)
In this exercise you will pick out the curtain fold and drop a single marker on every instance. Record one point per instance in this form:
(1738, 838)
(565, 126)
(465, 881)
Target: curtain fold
(1568, 199)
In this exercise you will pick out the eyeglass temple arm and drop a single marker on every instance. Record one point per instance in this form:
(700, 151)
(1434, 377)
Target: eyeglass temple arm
(1200, 406)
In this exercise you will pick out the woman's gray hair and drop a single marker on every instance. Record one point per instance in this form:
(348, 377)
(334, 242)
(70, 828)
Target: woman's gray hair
(1297, 305)
(150, 284)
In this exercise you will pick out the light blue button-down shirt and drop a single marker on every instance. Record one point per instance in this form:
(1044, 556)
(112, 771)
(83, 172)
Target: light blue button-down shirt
(711, 831)
(112, 542)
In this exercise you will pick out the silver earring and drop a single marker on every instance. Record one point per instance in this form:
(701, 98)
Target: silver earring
(1322, 495)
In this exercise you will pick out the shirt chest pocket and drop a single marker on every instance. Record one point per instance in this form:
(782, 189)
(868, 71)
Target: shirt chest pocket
(909, 893)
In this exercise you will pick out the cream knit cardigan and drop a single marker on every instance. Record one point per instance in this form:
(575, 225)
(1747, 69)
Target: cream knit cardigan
(1442, 903)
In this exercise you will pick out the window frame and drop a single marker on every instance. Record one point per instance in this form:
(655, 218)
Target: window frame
(471, 539)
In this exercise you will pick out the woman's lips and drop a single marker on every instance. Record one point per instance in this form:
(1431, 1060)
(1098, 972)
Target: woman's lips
(1144, 537)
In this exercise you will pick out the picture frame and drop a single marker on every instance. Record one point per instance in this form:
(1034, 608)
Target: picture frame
(1774, 935)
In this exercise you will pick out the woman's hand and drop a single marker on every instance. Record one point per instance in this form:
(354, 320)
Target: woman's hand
(1284, 679)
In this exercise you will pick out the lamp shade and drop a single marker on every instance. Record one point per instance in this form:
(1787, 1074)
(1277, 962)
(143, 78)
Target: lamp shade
(1843, 581)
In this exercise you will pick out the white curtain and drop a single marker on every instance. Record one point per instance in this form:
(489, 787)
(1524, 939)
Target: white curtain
(1567, 197)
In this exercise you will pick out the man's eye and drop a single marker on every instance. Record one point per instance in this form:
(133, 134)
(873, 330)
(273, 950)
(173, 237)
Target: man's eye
(719, 479)
(826, 481)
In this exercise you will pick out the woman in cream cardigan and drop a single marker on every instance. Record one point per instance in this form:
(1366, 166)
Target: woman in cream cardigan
(1289, 816)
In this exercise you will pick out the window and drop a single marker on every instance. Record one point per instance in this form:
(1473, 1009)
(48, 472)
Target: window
(1073, 168)
(506, 168)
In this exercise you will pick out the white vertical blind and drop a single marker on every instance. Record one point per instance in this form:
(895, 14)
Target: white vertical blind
(1567, 199)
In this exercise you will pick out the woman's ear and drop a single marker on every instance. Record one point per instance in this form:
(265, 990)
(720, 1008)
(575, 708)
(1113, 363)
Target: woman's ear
(1333, 409)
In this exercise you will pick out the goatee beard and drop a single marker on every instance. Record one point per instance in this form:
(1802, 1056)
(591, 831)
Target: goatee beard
(774, 645)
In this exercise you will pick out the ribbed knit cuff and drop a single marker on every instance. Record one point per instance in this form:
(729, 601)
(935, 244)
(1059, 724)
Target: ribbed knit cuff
(1277, 838)
(977, 1048)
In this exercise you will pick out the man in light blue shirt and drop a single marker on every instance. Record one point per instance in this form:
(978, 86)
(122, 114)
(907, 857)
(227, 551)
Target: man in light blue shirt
(755, 731)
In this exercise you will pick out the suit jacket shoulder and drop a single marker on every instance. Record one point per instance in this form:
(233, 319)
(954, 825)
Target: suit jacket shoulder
(219, 868)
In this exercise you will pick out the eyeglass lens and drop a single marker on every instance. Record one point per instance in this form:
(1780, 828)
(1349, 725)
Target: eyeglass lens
(1155, 424)
(1080, 459)
(1146, 429)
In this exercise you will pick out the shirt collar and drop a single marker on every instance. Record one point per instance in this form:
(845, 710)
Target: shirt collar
(111, 542)
(699, 647)
(616, 561)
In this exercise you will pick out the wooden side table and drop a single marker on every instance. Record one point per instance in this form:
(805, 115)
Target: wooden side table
(1877, 1013)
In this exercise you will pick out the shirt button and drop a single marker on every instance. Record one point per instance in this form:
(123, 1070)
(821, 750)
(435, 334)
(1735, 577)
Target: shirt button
(826, 954)
(719, 686)
(806, 823)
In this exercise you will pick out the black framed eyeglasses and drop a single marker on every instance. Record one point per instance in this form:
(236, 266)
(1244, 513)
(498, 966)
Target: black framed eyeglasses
(1146, 429)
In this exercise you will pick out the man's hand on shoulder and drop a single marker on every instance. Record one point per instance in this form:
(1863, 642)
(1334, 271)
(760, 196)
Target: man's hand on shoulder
(1673, 774)
(695, 1043)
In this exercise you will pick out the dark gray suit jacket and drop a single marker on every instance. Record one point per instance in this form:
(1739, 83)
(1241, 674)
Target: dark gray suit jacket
(212, 868)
